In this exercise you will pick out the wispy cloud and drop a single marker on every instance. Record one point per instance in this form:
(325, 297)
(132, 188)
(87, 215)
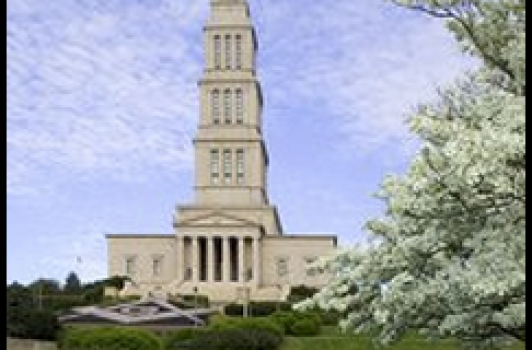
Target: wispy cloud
(367, 64)
(99, 88)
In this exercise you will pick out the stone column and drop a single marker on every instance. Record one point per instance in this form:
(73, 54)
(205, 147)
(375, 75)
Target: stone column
(241, 256)
(256, 260)
(226, 260)
(210, 259)
(180, 261)
(194, 254)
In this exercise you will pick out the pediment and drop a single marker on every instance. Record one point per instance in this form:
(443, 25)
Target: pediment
(218, 219)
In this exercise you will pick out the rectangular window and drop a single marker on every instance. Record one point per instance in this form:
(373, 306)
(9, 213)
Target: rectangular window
(157, 266)
(130, 267)
(227, 166)
(215, 166)
(217, 52)
(239, 106)
(240, 166)
(215, 105)
(282, 266)
(238, 52)
(228, 58)
(308, 261)
(227, 106)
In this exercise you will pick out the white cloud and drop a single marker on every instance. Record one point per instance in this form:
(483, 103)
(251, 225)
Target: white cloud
(367, 64)
(99, 89)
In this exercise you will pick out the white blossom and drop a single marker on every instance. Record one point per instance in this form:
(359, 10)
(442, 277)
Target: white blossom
(450, 258)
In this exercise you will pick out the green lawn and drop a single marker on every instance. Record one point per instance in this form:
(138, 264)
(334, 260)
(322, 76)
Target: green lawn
(329, 340)
(333, 340)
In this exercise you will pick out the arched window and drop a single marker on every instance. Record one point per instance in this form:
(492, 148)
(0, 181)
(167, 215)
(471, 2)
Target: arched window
(215, 106)
(228, 58)
(239, 106)
(238, 52)
(227, 106)
(217, 52)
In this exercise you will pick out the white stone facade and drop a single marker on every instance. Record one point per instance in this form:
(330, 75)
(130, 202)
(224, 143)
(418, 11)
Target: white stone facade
(229, 242)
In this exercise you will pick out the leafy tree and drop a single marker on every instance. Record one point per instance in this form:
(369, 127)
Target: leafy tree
(24, 319)
(449, 258)
(72, 283)
(45, 286)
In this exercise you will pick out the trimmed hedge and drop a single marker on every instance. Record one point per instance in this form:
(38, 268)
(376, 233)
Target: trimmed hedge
(108, 338)
(231, 339)
(298, 323)
(173, 339)
(256, 323)
(28, 323)
(257, 309)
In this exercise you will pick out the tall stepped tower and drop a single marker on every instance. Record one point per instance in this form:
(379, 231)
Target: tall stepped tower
(229, 242)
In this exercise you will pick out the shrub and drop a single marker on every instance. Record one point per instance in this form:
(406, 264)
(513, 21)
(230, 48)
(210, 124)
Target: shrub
(234, 309)
(305, 327)
(62, 302)
(257, 309)
(299, 293)
(233, 339)
(173, 339)
(29, 323)
(330, 318)
(285, 319)
(298, 323)
(257, 323)
(108, 338)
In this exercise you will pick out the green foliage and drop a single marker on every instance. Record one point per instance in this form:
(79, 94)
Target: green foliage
(301, 292)
(45, 286)
(172, 339)
(234, 309)
(329, 318)
(108, 338)
(24, 319)
(257, 309)
(305, 327)
(72, 283)
(62, 302)
(228, 333)
(258, 323)
(296, 323)
(116, 281)
(449, 253)
(285, 319)
(195, 300)
(29, 323)
(232, 339)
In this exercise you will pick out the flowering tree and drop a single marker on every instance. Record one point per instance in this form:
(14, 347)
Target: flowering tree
(450, 255)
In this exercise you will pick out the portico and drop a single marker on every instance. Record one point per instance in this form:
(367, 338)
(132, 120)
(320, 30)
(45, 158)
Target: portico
(223, 258)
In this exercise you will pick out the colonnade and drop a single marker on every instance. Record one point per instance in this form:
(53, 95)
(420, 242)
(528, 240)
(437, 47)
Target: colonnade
(219, 258)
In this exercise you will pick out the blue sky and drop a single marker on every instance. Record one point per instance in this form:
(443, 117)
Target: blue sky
(102, 106)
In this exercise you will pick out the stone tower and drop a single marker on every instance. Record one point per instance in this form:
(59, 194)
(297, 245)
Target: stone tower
(225, 225)
(231, 157)
(228, 243)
